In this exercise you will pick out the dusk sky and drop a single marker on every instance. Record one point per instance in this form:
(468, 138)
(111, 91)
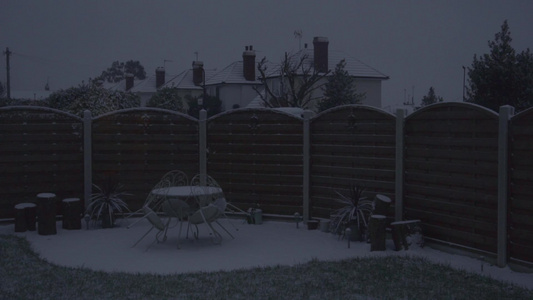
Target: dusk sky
(416, 43)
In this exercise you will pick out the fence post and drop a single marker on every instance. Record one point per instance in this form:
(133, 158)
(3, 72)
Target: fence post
(398, 203)
(306, 165)
(202, 144)
(87, 157)
(506, 113)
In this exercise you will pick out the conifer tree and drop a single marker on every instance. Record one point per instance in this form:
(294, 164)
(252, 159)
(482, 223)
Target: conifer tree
(502, 77)
(340, 89)
(430, 98)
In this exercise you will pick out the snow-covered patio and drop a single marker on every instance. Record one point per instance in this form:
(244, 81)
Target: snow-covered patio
(271, 243)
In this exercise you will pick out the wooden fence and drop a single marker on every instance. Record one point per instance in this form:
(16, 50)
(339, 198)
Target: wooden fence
(351, 145)
(446, 164)
(451, 173)
(41, 150)
(520, 215)
(137, 146)
(257, 157)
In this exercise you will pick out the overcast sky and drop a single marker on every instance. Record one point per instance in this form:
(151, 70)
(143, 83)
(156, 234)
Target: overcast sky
(417, 43)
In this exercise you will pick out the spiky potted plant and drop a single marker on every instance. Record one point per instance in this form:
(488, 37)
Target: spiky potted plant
(354, 214)
(106, 201)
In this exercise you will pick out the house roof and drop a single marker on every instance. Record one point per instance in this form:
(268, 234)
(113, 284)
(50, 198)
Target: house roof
(143, 86)
(184, 80)
(354, 66)
(232, 74)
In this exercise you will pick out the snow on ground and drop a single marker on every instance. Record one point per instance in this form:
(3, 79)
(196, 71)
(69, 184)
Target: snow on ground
(271, 243)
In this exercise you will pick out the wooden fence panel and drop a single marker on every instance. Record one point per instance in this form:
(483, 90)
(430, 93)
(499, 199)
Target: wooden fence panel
(41, 150)
(138, 146)
(451, 173)
(351, 145)
(520, 206)
(256, 156)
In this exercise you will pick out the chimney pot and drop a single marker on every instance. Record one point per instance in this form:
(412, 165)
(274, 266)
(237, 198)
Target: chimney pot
(320, 53)
(248, 63)
(129, 81)
(159, 77)
(197, 72)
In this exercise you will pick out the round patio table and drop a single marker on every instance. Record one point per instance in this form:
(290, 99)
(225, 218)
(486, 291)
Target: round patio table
(186, 191)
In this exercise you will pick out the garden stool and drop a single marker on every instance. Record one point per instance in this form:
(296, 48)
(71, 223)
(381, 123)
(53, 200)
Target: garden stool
(71, 213)
(377, 229)
(381, 205)
(46, 213)
(25, 214)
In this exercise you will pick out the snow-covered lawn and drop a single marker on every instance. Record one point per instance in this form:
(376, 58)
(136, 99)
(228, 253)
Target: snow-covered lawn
(271, 243)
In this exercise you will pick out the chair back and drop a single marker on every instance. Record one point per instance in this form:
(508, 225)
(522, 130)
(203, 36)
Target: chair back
(153, 200)
(206, 198)
(176, 178)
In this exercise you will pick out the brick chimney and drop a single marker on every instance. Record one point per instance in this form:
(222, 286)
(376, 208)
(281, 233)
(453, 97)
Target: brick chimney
(248, 63)
(320, 53)
(197, 72)
(159, 77)
(129, 81)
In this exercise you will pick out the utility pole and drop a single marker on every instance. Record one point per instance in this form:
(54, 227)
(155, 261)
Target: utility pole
(464, 86)
(8, 81)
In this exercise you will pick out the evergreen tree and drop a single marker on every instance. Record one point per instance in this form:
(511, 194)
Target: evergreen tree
(167, 98)
(430, 98)
(502, 77)
(118, 71)
(340, 89)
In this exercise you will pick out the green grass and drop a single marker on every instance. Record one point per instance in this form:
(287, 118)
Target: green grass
(24, 275)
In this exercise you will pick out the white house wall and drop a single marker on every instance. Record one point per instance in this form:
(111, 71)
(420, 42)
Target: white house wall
(235, 94)
(372, 89)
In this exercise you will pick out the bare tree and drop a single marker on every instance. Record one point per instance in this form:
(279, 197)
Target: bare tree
(297, 77)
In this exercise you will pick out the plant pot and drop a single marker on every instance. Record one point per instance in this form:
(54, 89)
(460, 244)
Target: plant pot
(108, 221)
(255, 217)
(334, 227)
(355, 234)
(324, 225)
(312, 224)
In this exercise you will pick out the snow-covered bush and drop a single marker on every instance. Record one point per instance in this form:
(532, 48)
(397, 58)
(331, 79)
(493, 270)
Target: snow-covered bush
(92, 97)
(167, 98)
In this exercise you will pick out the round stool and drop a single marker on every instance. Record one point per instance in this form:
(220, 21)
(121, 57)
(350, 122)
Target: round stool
(46, 213)
(71, 213)
(25, 215)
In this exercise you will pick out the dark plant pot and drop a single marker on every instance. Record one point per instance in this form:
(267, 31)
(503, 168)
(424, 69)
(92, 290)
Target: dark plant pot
(333, 226)
(312, 224)
(355, 235)
(108, 221)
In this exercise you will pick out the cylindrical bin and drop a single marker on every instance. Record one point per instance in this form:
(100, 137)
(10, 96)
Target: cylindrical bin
(324, 225)
(257, 216)
(25, 217)
(46, 213)
(71, 213)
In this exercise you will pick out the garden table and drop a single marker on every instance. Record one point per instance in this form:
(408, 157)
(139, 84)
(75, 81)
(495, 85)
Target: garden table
(179, 205)
(204, 194)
